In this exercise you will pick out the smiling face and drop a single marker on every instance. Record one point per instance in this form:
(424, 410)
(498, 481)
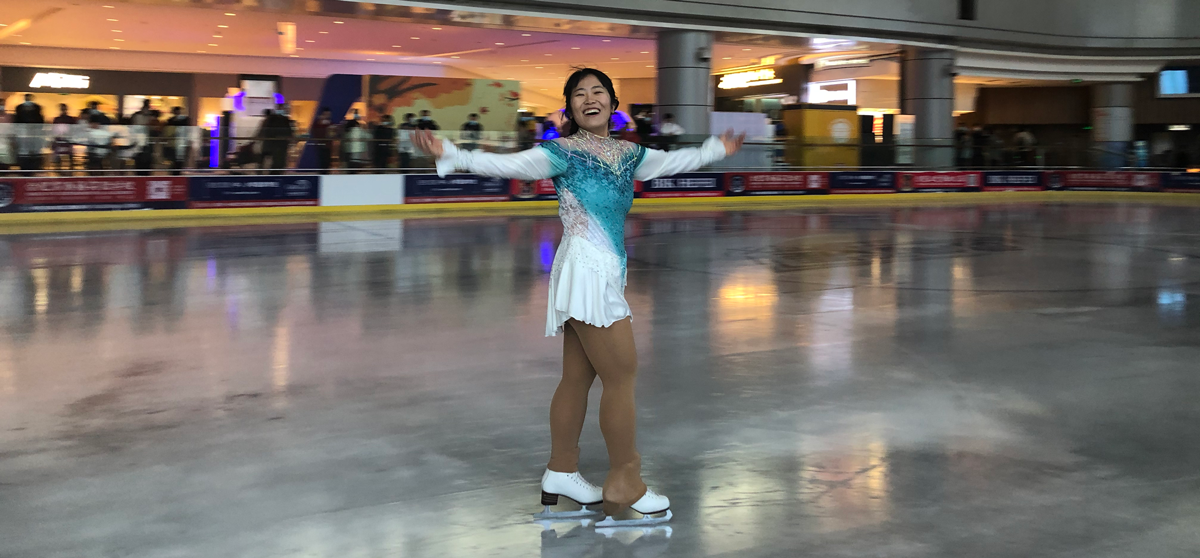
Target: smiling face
(591, 106)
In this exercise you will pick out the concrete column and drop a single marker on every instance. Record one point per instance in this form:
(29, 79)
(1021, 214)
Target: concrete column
(927, 92)
(684, 80)
(1112, 123)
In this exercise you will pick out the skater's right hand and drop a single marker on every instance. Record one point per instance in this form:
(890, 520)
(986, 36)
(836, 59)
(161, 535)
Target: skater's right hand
(425, 141)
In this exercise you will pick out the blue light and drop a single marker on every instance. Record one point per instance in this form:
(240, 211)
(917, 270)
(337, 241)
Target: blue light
(546, 251)
(279, 98)
(214, 146)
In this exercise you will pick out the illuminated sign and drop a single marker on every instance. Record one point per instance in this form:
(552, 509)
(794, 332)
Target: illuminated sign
(1179, 128)
(840, 92)
(842, 63)
(752, 78)
(59, 81)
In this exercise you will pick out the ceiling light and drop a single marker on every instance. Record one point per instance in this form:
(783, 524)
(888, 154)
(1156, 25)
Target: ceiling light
(574, 48)
(299, 48)
(645, 52)
(294, 55)
(415, 38)
(524, 60)
(115, 48)
(395, 46)
(323, 32)
(616, 58)
(110, 19)
(526, 35)
(437, 62)
(119, 40)
(453, 57)
(727, 58)
(231, 14)
(223, 26)
(370, 60)
(746, 50)
(499, 44)
(24, 43)
(116, 30)
(309, 41)
(548, 54)
(537, 67)
(606, 41)
(108, 6)
(650, 66)
(202, 51)
(212, 44)
(339, 22)
(218, 36)
(436, 28)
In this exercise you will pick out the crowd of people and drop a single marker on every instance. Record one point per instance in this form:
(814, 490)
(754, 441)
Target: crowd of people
(978, 147)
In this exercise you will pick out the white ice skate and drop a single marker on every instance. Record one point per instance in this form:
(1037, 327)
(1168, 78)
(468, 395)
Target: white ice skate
(571, 486)
(652, 509)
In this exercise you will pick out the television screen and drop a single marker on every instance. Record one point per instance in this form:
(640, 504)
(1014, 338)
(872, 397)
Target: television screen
(1179, 82)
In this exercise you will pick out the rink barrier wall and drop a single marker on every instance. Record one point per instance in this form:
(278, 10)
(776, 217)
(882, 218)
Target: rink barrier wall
(349, 196)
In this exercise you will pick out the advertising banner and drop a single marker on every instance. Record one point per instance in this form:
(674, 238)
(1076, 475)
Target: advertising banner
(1181, 182)
(525, 190)
(430, 188)
(1102, 180)
(687, 185)
(769, 183)
(91, 193)
(940, 181)
(864, 182)
(210, 192)
(1013, 181)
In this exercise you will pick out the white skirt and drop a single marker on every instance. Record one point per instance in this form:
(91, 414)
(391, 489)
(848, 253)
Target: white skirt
(585, 284)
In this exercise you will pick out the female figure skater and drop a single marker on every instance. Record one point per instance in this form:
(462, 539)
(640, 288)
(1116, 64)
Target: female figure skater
(593, 175)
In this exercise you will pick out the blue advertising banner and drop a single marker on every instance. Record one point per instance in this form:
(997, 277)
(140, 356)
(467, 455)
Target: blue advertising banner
(687, 185)
(863, 182)
(206, 192)
(1013, 181)
(1181, 182)
(430, 188)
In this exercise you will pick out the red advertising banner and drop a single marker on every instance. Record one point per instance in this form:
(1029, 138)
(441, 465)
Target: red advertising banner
(533, 189)
(1103, 180)
(84, 193)
(939, 181)
(764, 183)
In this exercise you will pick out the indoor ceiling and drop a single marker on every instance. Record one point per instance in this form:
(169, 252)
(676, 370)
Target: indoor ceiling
(538, 59)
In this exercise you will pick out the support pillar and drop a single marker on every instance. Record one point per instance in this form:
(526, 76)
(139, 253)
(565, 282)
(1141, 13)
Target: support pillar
(1112, 123)
(927, 92)
(684, 81)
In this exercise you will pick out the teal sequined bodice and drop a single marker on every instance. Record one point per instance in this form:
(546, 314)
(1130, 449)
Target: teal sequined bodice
(593, 177)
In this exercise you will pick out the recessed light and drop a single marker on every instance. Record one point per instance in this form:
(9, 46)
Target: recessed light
(370, 60)
(218, 36)
(645, 52)
(110, 19)
(574, 48)
(606, 40)
(230, 14)
(537, 67)
(223, 26)
(437, 62)
(24, 43)
(395, 46)
(202, 51)
(119, 40)
(116, 30)
(299, 48)
(323, 32)
(650, 66)
(339, 22)
(115, 48)
(110, 7)
(454, 57)
(436, 28)
(746, 50)
(524, 60)
(415, 38)
(526, 35)
(548, 54)
(294, 55)
(212, 44)
(499, 44)
(727, 58)
(615, 58)
(309, 41)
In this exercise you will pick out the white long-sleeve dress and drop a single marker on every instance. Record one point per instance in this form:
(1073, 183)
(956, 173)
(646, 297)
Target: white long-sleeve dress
(593, 177)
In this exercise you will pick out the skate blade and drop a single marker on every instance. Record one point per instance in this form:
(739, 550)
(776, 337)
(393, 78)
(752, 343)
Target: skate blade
(610, 532)
(564, 513)
(643, 520)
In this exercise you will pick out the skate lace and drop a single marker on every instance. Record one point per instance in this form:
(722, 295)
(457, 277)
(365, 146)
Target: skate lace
(581, 482)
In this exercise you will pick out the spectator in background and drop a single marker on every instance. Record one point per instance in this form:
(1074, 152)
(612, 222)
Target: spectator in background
(405, 144)
(472, 131)
(276, 133)
(94, 108)
(142, 121)
(1025, 143)
(99, 142)
(385, 141)
(64, 147)
(645, 125)
(354, 145)
(30, 135)
(176, 133)
(427, 122)
(981, 141)
(319, 136)
(669, 132)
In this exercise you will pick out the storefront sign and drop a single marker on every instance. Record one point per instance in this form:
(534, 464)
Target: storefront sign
(840, 92)
(752, 78)
(207, 192)
(863, 182)
(1100, 180)
(1181, 182)
(59, 81)
(689, 185)
(766, 183)
(92, 194)
(842, 63)
(938, 181)
(430, 188)
(525, 190)
(1012, 181)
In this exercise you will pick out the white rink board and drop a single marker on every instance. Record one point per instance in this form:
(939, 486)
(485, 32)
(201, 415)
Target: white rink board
(362, 189)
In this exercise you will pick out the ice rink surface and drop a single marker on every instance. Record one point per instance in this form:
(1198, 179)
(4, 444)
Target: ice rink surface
(1004, 381)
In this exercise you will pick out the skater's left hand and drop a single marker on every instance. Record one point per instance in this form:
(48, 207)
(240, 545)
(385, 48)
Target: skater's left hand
(732, 143)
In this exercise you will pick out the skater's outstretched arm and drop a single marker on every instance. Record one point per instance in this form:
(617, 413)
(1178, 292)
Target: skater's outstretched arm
(531, 164)
(666, 163)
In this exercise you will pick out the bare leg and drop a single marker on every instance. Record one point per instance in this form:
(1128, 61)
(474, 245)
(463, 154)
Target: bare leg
(569, 406)
(613, 356)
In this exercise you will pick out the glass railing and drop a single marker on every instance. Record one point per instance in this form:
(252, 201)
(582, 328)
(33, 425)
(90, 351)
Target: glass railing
(78, 149)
